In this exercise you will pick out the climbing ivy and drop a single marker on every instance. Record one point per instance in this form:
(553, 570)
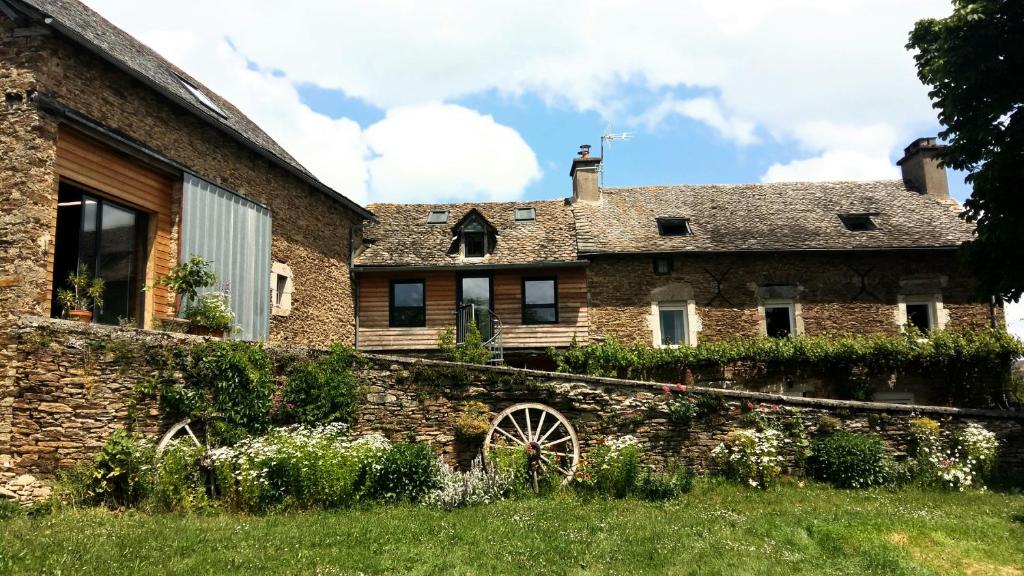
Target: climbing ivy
(973, 365)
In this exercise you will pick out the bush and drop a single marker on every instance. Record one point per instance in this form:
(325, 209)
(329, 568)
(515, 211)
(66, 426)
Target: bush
(473, 422)
(512, 462)
(321, 391)
(179, 483)
(612, 468)
(750, 456)
(851, 460)
(656, 486)
(121, 473)
(471, 351)
(405, 474)
(229, 378)
(964, 462)
(479, 485)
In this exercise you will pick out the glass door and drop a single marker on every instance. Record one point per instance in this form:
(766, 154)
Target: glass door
(110, 240)
(474, 302)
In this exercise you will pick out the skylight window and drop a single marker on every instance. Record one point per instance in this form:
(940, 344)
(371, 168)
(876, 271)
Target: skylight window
(526, 214)
(437, 217)
(202, 97)
(858, 222)
(674, 226)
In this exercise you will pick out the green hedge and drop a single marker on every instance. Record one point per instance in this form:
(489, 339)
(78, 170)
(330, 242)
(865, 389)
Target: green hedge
(973, 365)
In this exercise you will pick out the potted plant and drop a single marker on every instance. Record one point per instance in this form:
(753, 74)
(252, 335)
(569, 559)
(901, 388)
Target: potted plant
(210, 315)
(82, 295)
(185, 280)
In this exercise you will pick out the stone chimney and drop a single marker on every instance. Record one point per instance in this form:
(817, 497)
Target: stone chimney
(584, 173)
(922, 171)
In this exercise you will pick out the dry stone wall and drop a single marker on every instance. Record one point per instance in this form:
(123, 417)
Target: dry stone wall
(74, 384)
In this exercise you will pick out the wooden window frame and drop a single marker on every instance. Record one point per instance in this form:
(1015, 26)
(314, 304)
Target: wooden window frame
(668, 259)
(525, 306)
(392, 309)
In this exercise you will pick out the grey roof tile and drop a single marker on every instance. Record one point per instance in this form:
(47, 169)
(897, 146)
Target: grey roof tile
(776, 216)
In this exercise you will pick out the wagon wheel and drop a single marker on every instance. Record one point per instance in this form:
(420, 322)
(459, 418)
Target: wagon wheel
(183, 429)
(550, 441)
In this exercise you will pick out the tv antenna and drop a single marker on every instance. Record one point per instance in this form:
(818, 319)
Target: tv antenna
(609, 138)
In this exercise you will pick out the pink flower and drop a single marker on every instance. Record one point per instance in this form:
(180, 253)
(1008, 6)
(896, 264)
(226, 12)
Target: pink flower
(750, 405)
(665, 389)
(680, 387)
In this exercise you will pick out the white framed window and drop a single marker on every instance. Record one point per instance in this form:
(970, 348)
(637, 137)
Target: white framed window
(281, 288)
(923, 312)
(674, 324)
(780, 319)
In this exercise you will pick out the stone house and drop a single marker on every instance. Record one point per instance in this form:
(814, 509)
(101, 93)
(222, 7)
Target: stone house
(674, 265)
(113, 157)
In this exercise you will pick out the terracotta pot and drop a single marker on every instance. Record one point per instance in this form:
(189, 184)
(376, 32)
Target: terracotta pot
(83, 316)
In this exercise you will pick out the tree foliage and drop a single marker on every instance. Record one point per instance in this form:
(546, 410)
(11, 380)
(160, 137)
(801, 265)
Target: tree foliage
(973, 60)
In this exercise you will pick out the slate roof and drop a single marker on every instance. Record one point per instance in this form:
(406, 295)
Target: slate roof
(402, 236)
(87, 28)
(777, 216)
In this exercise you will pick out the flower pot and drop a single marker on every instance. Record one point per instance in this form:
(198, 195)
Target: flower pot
(83, 316)
(204, 331)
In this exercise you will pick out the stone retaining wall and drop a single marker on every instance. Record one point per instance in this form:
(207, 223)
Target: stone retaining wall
(72, 385)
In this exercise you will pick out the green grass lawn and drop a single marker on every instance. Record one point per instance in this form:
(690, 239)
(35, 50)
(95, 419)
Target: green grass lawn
(717, 529)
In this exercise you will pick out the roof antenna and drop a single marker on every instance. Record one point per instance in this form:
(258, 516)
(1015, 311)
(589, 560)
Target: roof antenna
(609, 138)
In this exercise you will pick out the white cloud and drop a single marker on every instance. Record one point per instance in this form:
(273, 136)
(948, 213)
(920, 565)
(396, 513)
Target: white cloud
(1015, 318)
(703, 109)
(753, 67)
(834, 165)
(437, 152)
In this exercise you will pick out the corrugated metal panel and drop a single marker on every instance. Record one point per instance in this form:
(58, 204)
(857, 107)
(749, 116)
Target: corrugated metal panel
(234, 234)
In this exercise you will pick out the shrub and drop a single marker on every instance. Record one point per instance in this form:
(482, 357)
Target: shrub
(665, 486)
(229, 378)
(512, 462)
(321, 391)
(965, 462)
(121, 471)
(613, 467)
(211, 310)
(851, 460)
(479, 485)
(471, 351)
(474, 421)
(405, 474)
(179, 482)
(750, 456)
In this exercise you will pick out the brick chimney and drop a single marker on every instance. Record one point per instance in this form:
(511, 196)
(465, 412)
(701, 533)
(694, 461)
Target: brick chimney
(922, 170)
(584, 173)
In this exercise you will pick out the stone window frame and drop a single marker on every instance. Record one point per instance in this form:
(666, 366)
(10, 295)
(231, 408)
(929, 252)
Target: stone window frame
(691, 322)
(938, 316)
(281, 300)
(796, 319)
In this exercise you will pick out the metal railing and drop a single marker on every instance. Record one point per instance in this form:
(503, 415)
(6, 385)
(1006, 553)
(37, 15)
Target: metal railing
(466, 316)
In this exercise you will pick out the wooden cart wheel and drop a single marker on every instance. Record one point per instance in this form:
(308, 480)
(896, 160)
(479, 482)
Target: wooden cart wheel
(183, 429)
(550, 440)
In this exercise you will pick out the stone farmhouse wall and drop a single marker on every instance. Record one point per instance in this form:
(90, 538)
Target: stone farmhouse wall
(311, 233)
(72, 385)
(852, 293)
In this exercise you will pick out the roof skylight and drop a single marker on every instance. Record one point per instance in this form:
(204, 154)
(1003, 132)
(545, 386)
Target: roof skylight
(526, 214)
(858, 222)
(202, 97)
(437, 217)
(674, 226)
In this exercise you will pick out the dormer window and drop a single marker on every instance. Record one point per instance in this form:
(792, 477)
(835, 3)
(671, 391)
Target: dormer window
(474, 239)
(858, 222)
(526, 214)
(674, 226)
(202, 98)
(437, 217)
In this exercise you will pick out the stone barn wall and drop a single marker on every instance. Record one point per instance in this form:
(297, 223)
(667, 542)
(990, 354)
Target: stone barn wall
(73, 385)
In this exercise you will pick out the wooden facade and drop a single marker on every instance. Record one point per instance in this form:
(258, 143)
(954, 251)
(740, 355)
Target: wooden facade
(109, 173)
(441, 295)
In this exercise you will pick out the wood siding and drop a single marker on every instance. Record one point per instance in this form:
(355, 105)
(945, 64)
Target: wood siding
(573, 319)
(96, 167)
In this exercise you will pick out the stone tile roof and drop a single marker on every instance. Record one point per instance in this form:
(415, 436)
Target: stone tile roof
(778, 216)
(86, 27)
(402, 236)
